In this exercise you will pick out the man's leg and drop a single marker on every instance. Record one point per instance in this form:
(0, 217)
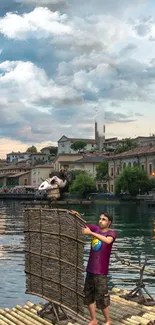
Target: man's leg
(106, 316)
(92, 314)
(102, 296)
(89, 292)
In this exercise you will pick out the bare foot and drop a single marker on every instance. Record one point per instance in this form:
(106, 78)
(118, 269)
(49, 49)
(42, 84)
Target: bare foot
(94, 322)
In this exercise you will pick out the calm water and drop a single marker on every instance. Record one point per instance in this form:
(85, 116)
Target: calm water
(135, 227)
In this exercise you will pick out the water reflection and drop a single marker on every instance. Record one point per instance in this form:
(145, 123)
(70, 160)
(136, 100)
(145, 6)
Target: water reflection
(136, 231)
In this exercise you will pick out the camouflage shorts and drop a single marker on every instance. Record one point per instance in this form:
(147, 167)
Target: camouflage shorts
(96, 290)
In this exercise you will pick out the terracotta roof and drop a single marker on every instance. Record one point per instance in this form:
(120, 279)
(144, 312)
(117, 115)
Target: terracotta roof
(67, 162)
(90, 159)
(6, 175)
(38, 154)
(108, 141)
(87, 158)
(67, 154)
(42, 166)
(14, 167)
(145, 137)
(18, 153)
(78, 139)
(84, 140)
(17, 175)
(139, 151)
(49, 147)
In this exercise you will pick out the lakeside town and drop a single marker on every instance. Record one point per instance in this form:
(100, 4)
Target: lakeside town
(77, 162)
(103, 159)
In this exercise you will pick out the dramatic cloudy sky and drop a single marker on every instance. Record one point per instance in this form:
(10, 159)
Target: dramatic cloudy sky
(64, 61)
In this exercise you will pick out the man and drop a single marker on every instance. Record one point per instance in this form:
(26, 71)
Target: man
(96, 288)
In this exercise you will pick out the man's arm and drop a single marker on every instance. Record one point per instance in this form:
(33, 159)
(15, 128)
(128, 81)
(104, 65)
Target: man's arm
(104, 239)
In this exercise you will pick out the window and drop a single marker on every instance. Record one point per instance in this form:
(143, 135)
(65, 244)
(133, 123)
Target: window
(142, 166)
(118, 170)
(150, 168)
(129, 164)
(25, 181)
(112, 171)
(111, 188)
(124, 165)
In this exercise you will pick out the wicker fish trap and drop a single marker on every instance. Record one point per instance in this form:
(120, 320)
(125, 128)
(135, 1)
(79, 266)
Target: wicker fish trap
(54, 256)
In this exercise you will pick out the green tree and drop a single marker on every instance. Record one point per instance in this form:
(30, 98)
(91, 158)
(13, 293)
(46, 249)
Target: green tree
(133, 180)
(82, 185)
(32, 149)
(102, 170)
(126, 145)
(74, 173)
(78, 145)
(53, 150)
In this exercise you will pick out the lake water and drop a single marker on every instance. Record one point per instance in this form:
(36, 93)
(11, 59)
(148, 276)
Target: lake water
(135, 226)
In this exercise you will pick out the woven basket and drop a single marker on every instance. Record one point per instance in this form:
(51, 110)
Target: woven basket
(54, 249)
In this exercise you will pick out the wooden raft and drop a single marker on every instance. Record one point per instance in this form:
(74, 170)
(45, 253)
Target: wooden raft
(122, 312)
(127, 312)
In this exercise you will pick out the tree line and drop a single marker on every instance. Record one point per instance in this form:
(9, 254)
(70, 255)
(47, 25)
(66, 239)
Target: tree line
(132, 180)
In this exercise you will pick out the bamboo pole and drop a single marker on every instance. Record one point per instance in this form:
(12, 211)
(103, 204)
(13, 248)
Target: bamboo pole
(7, 315)
(134, 266)
(26, 313)
(5, 321)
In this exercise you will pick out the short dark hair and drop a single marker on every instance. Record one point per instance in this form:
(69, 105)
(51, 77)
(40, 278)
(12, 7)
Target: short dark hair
(108, 215)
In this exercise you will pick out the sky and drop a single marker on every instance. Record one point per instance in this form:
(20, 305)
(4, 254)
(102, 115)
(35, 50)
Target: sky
(64, 63)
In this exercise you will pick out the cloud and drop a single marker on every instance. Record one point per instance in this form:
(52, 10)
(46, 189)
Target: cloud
(51, 4)
(35, 107)
(128, 49)
(60, 59)
(64, 32)
(111, 117)
(28, 95)
(92, 34)
(112, 7)
(123, 80)
(31, 84)
(39, 23)
(138, 114)
(144, 27)
(80, 8)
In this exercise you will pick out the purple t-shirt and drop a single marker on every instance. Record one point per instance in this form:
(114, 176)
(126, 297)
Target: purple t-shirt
(99, 257)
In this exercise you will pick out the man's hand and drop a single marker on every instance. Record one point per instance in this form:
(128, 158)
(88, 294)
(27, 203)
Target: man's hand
(86, 231)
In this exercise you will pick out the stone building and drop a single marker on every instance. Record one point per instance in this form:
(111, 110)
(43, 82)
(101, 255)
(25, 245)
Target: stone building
(143, 156)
